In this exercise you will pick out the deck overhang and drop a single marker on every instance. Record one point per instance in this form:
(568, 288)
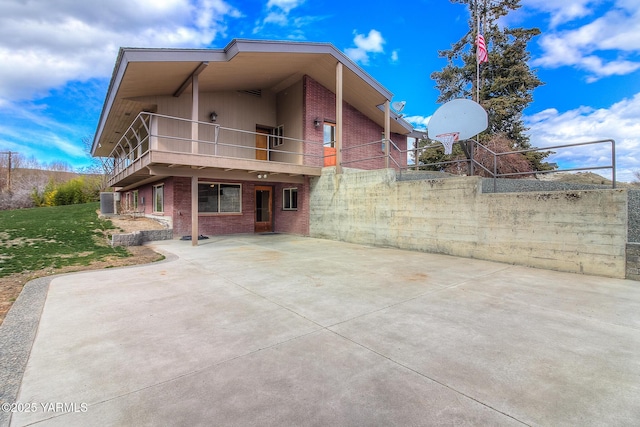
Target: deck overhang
(156, 165)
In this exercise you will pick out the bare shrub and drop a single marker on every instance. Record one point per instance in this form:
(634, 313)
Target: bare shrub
(505, 164)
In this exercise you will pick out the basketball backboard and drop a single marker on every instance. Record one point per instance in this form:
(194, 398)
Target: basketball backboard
(464, 116)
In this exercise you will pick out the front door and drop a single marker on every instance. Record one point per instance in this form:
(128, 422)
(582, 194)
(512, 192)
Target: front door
(262, 144)
(264, 203)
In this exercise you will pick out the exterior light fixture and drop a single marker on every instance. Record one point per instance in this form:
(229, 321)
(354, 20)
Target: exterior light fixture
(213, 116)
(262, 175)
(317, 122)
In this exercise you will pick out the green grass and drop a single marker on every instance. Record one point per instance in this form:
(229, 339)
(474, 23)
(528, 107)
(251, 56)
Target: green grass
(53, 237)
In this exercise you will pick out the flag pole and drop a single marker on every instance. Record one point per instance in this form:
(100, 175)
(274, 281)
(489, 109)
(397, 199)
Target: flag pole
(477, 62)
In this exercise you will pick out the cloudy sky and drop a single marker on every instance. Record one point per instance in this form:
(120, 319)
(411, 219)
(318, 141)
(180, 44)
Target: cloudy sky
(57, 56)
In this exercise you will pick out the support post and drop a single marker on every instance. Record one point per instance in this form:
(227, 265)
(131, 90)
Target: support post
(339, 118)
(194, 211)
(194, 113)
(9, 174)
(387, 132)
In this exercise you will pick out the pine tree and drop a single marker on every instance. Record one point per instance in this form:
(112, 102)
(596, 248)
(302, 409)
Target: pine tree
(506, 81)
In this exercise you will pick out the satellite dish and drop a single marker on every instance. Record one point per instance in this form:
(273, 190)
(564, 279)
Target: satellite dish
(398, 106)
(462, 116)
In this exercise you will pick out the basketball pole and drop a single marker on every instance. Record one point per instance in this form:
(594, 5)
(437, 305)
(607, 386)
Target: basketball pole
(477, 62)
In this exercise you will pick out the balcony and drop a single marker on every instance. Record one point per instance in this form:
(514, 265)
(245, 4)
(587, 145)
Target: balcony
(157, 145)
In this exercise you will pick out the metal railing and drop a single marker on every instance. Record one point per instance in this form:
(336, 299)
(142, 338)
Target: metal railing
(381, 143)
(150, 131)
(472, 163)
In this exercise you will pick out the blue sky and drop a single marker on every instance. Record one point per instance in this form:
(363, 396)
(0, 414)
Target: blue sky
(56, 59)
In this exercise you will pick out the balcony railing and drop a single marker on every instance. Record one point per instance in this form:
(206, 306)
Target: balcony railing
(156, 132)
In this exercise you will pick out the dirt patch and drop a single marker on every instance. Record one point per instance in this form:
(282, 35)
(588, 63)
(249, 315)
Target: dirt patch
(11, 286)
(129, 224)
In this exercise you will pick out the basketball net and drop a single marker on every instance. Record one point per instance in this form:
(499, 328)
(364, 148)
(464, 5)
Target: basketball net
(447, 140)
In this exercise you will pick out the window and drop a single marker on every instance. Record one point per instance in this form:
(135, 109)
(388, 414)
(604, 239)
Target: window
(219, 198)
(329, 137)
(278, 136)
(158, 198)
(130, 201)
(290, 199)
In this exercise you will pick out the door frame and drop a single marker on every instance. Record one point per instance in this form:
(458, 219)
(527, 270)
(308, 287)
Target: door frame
(263, 132)
(263, 226)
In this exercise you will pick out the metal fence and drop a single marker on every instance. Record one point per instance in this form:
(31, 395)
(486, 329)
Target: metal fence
(473, 167)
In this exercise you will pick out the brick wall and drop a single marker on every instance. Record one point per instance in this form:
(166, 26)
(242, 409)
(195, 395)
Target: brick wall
(320, 102)
(178, 207)
(181, 208)
(295, 222)
(212, 224)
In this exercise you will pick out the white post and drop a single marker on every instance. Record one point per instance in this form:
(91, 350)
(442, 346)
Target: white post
(477, 62)
(194, 211)
(387, 133)
(339, 118)
(194, 114)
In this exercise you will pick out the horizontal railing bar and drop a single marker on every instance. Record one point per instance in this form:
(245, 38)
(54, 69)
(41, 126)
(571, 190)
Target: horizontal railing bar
(361, 145)
(364, 159)
(555, 170)
(577, 144)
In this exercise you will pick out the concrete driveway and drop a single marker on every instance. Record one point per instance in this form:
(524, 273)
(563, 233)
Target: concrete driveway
(282, 330)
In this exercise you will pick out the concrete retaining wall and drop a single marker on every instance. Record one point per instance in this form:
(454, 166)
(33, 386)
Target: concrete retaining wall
(137, 238)
(573, 231)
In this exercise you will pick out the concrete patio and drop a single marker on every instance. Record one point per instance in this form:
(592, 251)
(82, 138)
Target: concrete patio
(285, 330)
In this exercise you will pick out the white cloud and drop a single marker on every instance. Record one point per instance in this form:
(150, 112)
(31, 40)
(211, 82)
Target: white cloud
(606, 46)
(285, 5)
(50, 43)
(418, 122)
(620, 122)
(365, 45)
(562, 11)
(278, 13)
(394, 56)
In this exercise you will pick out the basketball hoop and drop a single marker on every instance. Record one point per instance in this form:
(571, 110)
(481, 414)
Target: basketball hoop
(447, 140)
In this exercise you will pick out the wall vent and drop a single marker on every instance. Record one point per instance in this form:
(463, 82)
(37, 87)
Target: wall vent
(253, 92)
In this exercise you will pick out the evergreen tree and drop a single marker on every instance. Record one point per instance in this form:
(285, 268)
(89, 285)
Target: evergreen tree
(506, 82)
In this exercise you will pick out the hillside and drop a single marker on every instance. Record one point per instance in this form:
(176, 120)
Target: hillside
(16, 189)
(588, 178)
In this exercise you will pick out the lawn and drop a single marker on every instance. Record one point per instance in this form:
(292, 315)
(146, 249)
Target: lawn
(53, 237)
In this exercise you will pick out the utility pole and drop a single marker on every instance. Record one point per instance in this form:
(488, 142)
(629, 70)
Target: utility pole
(9, 154)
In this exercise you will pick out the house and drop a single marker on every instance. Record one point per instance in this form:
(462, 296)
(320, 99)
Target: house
(220, 141)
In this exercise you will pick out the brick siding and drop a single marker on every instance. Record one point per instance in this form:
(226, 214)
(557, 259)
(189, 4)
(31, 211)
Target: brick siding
(177, 203)
(320, 102)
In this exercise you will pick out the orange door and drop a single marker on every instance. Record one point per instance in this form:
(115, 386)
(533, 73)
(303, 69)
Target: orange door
(329, 139)
(264, 203)
(262, 144)
(329, 156)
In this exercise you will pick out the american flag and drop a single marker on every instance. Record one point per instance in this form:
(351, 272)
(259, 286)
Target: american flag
(481, 53)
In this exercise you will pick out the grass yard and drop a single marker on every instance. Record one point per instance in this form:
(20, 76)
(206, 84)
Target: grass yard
(54, 237)
(44, 241)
